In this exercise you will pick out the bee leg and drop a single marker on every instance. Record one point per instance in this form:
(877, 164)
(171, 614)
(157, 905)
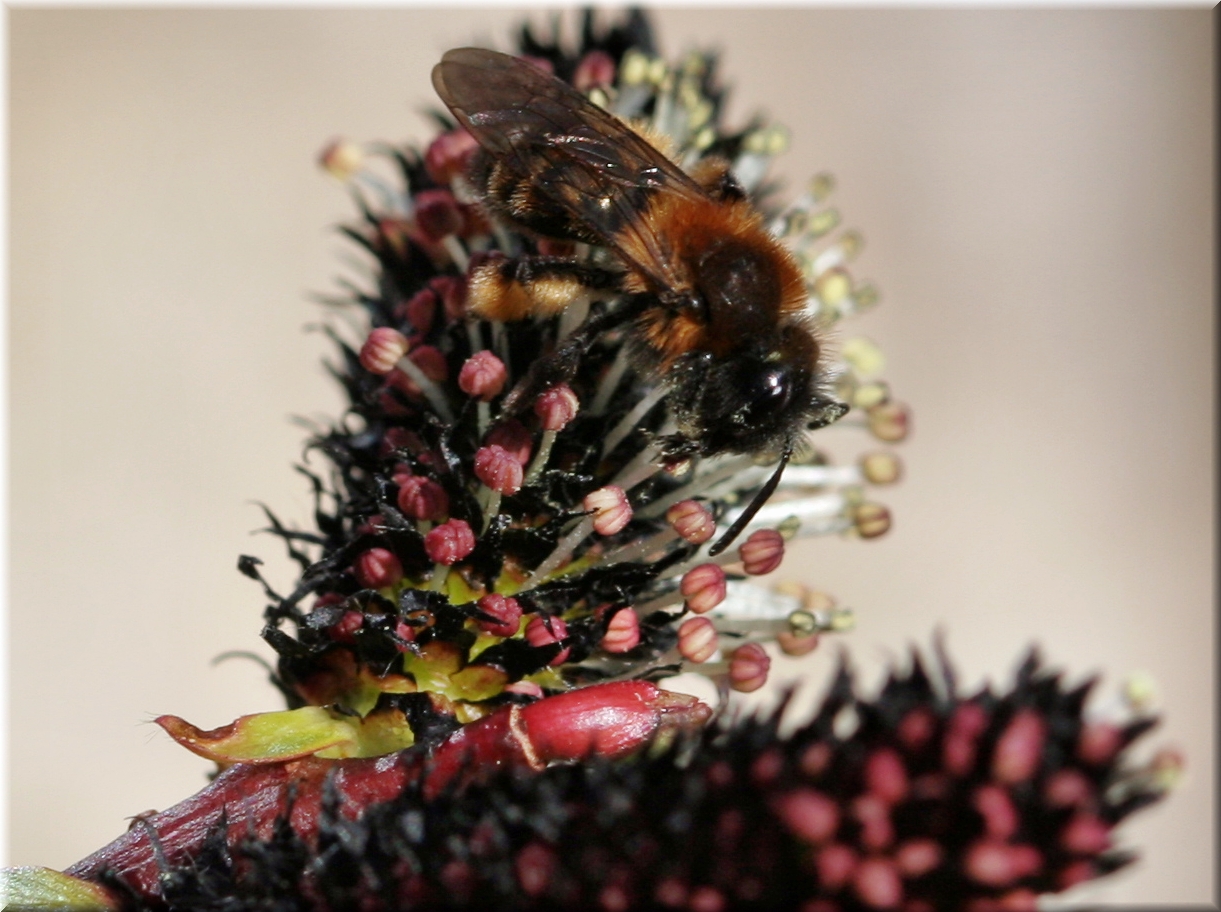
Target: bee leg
(676, 447)
(532, 286)
(561, 365)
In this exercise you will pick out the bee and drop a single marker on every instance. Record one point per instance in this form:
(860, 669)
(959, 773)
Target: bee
(714, 306)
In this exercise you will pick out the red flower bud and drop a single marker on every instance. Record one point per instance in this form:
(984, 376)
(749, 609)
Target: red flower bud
(607, 720)
(449, 155)
(496, 468)
(449, 542)
(437, 214)
(877, 830)
(505, 610)
(419, 311)
(697, 639)
(703, 587)
(404, 632)
(748, 668)
(382, 350)
(1019, 747)
(545, 630)
(877, 884)
(623, 632)
(483, 376)
(345, 629)
(597, 68)
(512, 435)
(810, 814)
(692, 521)
(762, 552)
(610, 508)
(991, 862)
(994, 805)
(886, 776)
(835, 865)
(422, 498)
(917, 857)
(377, 568)
(556, 406)
(916, 728)
(535, 866)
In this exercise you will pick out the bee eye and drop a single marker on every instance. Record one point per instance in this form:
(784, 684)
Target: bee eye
(769, 391)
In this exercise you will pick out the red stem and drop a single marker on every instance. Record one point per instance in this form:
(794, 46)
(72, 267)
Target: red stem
(606, 720)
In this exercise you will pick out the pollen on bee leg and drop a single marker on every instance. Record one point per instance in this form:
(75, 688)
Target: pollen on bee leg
(492, 294)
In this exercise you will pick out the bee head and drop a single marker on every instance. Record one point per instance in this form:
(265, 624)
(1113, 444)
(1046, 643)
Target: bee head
(759, 398)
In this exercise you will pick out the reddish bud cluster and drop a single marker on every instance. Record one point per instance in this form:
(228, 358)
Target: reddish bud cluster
(748, 668)
(449, 542)
(623, 632)
(556, 406)
(762, 552)
(497, 468)
(506, 612)
(483, 376)
(377, 568)
(543, 630)
(422, 498)
(449, 154)
(692, 521)
(703, 587)
(437, 214)
(697, 640)
(382, 350)
(610, 508)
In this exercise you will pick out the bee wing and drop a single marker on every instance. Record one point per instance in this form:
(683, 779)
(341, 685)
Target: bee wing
(592, 166)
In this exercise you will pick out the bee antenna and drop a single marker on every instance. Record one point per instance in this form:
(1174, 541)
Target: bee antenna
(759, 500)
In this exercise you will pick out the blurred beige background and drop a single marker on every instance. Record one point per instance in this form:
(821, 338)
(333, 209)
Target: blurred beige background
(1036, 192)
